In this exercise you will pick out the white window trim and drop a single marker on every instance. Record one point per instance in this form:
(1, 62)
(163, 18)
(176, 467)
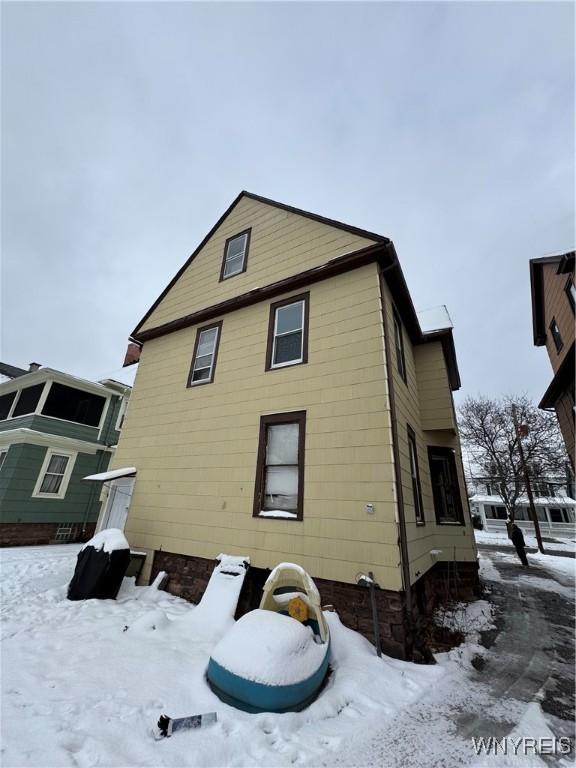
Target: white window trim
(121, 413)
(226, 275)
(294, 361)
(4, 449)
(65, 479)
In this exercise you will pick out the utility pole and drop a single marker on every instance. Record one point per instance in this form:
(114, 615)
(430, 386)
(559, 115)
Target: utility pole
(521, 430)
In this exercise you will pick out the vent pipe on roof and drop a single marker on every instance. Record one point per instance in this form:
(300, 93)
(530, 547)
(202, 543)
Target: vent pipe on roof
(34, 367)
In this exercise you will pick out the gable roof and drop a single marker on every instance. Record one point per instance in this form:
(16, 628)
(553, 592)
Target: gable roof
(267, 201)
(382, 251)
(565, 263)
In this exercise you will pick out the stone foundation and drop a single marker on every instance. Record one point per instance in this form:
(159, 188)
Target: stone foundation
(188, 577)
(30, 534)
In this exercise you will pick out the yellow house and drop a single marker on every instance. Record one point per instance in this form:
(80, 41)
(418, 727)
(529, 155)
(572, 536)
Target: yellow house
(289, 407)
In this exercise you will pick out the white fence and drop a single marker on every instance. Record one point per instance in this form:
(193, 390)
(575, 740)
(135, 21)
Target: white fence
(555, 530)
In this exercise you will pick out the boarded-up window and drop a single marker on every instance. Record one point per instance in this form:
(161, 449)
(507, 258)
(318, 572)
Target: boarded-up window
(279, 488)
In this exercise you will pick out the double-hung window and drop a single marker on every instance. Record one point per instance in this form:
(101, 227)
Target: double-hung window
(399, 344)
(288, 332)
(279, 490)
(570, 290)
(415, 476)
(55, 475)
(205, 354)
(445, 487)
(235, 255)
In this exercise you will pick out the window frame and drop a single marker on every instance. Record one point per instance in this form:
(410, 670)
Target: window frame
(569, 291)
(210, 379)
(556, 335)
(50, 452)
(247, 233)
(3, 453)
(450, 453)
(270, 344)
(271, 419)
(399, 337)
(415, 478)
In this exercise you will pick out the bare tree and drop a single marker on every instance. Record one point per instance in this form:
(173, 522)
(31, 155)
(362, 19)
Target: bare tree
(490, 435)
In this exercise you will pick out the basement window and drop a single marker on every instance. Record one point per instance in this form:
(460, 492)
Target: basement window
(235, 255)
(75, 405)
(28, 400)
(556, 336)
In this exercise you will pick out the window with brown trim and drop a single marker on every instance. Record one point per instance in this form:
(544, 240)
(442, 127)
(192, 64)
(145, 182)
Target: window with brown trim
(415, 476)
(445, 486)
(556, 335)
(570, 290)
(205, 355)
(399, 344)
(288, 332)
(235, 257)
(279, 489)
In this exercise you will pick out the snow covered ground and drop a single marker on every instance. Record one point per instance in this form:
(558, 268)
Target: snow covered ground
(500, 538)
(83, 684)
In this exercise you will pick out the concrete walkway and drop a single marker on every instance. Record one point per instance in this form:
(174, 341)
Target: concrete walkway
(529, 658)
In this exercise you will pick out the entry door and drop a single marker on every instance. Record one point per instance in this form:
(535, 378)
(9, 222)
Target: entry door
(118, 503)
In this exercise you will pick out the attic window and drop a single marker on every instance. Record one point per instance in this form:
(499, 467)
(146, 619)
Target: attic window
(235, 255)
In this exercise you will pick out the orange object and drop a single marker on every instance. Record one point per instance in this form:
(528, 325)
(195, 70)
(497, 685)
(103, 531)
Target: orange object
(298, 609)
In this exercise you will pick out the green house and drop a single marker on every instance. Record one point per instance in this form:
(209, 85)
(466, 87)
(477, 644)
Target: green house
(55, 429)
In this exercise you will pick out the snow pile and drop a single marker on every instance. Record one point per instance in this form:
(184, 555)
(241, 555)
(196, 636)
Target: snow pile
(215, 611)
(270, 648)
(468, 618)
(79, 690)
(109, 540)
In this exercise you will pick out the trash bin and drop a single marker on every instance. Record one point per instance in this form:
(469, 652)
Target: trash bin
(100, 567)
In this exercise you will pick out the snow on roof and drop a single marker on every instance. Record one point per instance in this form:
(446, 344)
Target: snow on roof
(434, 319)
(556, 501)
(113, 474)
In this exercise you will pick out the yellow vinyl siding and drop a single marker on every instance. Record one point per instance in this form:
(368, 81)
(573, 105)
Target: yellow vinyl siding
(195, 448)
(426, 389)
(435, 397)
(281, 244)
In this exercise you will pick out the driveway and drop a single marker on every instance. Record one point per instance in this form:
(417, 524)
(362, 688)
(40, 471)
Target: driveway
(521, 683)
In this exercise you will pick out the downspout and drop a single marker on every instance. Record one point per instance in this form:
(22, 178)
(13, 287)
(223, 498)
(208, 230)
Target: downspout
(404, 559)
(93, 490)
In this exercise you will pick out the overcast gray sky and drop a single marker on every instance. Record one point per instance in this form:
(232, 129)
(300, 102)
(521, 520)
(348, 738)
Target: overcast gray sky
(128, 128)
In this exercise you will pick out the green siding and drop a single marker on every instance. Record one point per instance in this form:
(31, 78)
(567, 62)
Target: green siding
(18, 477)
(108, 436)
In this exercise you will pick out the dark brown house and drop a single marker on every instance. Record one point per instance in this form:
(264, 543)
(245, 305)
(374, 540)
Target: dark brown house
(553, 301)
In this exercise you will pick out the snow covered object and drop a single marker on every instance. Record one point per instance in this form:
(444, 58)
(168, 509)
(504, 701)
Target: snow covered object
(100, 567)
(274, 659)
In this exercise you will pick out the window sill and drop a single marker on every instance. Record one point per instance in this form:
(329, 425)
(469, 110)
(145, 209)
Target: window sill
(281, 366)
(277, 514)
(420, 523)
(453, 523)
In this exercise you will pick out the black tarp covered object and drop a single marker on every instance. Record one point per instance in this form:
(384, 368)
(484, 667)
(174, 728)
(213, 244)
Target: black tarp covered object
(99, 573)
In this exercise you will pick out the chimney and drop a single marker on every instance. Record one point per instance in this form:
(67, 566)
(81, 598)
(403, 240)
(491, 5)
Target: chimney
(33, 367)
